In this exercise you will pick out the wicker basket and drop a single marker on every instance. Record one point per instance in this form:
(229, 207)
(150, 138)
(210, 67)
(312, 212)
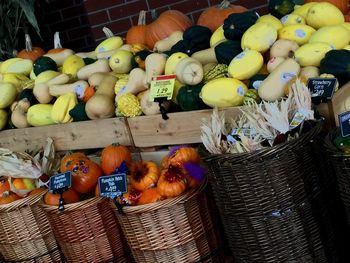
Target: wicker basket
(88, 232)
(26, 235)
(265, 208)
(173, 230)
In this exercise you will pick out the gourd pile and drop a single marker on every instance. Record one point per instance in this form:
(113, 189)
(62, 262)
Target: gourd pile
(230, 57)
(178, 172)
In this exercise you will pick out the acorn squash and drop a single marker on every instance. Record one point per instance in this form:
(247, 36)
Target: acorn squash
(43, 64)
(78, 113)
(227, 50)
(188, 98)
(28, 94)
(280, 8)
(236, 24)
(337, 63)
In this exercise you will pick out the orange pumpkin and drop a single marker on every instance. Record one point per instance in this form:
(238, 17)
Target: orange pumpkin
(30, 52)
(70, 196)
(214, 16)
(8, 197)
(172, 181)
(131, 197)
(69, 161)
(4, 187)
(137, 34)
(343, 5)
(150, 195)
(37, 191)
(183, 155)
(112, 157)
(168, 22)
(144, 175)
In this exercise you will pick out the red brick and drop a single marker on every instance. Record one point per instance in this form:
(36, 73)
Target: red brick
(98, 18)
(117, 27)
(96, 5)
(127, 10)
(190, 6)
(153, 4)
(79, 32)
(55, 5)
(250, 4)
(66, 24)
(77, 45)
(73, 11)
(51, 17)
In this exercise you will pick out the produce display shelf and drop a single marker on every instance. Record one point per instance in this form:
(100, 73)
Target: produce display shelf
(142, 131)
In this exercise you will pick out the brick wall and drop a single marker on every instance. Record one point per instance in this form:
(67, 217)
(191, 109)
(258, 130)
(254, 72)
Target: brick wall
(81, 21)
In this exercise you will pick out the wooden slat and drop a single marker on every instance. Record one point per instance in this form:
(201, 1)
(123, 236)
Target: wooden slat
(72, 136)
(180, 128)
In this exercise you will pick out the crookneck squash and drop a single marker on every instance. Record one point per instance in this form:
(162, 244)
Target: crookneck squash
(236, 24)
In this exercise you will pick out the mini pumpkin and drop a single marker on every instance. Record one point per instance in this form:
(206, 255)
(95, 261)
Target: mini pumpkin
(4, 187)
(172, 181)
(149, 196)
(70, 196)
(8, 197)
(30, 52)
(112, 157)
(137, 34)
(181, 155)
(131, 197)
(69, 161)
(144, 175)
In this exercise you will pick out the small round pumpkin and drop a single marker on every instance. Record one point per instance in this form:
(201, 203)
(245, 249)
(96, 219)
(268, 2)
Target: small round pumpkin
(183, 155)
(8, 197)
(70, 196)
(149, 196)
(144, 175)
(131, 197)
(137, 34)
(30, 52)
(112, 157)
(172, 181)
(69, 161)
(214, 16)
(4, 187)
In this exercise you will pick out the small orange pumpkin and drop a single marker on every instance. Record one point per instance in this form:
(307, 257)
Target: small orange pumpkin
(172, 181)
(131, 197)
(183, 155)
(8, 197)
(70, 196)
(149, 196)
(137, 34)
(144, 175)
(69, 161)
(4, 187)
(30, 52)
(112, 157)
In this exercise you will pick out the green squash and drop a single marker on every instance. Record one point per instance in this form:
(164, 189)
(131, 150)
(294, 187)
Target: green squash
(89, 61)
(28, 94)
(43, 64)
(227, 50)
(256, 80)
(78, 113)
(250, 96)
(237, 23)
(188, 98)
(280, 8)
(337, 63)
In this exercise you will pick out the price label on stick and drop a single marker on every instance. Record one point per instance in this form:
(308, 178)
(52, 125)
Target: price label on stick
(322, 87)
(60, 182)
(112, 185)
(162, 87)
(344, 121)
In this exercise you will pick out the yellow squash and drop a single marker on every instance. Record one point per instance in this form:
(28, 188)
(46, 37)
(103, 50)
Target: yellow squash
(300, 34)
(337, 36)
(40, 115)
(311, 54)
(62, 106)
(217, 37)
(324, 14)
(270, 19)
(3, 118)
(8, 94)
(246, 64)
(72, 65)
(259, 37)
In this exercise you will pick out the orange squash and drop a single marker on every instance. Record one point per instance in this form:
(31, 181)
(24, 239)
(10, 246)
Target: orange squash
(343, 5)
(137, 34)
(70, 196)
(168, 22)
(172, 181)
(30, 52)
(144, 175)
(214, 16)
(112, 157)
(149, 196)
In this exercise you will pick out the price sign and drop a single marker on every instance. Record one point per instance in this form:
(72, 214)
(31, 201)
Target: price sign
(322, 87)
(344, 121)
(60, 182)
(112, 185)
(162, 87)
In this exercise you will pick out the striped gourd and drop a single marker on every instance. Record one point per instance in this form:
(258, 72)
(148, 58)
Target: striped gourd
(219, 71)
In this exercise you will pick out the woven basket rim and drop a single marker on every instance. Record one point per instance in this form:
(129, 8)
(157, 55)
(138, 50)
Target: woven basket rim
(26, 201)
(267, 150)
(164, 203)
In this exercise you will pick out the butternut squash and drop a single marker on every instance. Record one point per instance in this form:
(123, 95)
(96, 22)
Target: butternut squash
(189, 71)
(19, 113)
(166, 43)
(135, 83)
(60, 79)
(96, 78)
(205, 56)
(101, 65)
(91, 54)
(273, 63)
(283, 48)
(41, 93)
(150, 107)
(155, 65)
(77, 87)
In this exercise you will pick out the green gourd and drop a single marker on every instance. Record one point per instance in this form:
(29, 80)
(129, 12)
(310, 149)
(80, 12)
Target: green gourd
(188, 98)
(237, 23)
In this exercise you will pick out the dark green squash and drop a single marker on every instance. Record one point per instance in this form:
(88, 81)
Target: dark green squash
(280, 8)
(28, 94)
(197, 34)
(237, 23)
(188, 98)
(337, 63)
(89, 61)
(138, 60)
(78, 113)
(227, 50)
(256, 80)
(43, 64)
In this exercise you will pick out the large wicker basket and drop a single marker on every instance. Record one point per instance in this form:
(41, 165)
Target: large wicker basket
(264, 205)
(173, 230)
(88, 232)
(25, 233)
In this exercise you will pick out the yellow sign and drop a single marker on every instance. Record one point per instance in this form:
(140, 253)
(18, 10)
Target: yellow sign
(162, 87)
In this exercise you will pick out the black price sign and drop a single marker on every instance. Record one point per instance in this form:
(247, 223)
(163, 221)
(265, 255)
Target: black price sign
(60, 182)
(322, 88)
(344, 121)
(112, 185)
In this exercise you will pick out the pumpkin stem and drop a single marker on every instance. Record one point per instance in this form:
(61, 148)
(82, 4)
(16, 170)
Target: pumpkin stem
(154, 14)
(224, 4)
(29, 46)
(142, 18)
(57, 40)
(107, 32)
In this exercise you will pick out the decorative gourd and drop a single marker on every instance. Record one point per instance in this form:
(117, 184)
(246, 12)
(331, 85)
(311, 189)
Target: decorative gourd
(20, 81)
(149, 196)
(168, 22)
(189, 71)
(218, 36)
(128, 105)
(166, 43)
(43, 64)
(139, 58)
(72, 65)
(112, 157)
(144, 175)
(112, 42)
(251, 95)
(155, 65)
(30, 52)
(214, 16)
(188, 98)
(172, 181)
(280, 8)
(283, 48)
(70, 196)
(137, 34)
(218, 71)
(337, 63)
(236, 24)
(19, 113)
